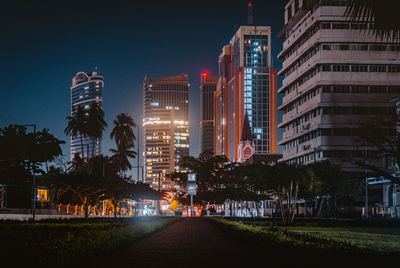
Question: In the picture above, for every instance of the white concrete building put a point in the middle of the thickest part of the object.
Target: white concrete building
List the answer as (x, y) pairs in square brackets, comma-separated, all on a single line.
[(336, 75)]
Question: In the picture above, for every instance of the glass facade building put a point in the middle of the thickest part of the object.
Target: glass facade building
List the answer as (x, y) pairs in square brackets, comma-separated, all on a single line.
[(247, 83), (86, 89)]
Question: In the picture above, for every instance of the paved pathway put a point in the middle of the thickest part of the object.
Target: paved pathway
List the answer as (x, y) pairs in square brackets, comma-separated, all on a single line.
[(187, 243)]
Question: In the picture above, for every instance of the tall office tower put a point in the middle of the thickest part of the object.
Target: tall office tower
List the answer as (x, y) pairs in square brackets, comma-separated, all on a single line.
[(207, 88), (336, 75), (165, 127), (86, 89), (247, 83)]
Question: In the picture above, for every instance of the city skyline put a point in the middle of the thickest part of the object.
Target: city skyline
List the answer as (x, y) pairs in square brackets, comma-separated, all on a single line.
[(48, 55)]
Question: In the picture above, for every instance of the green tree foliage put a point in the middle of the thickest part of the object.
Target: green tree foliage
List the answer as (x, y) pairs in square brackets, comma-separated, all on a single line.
[(22, 153), (95, 124), (124, 138), (380, 135), (220, 180), (77, 125)]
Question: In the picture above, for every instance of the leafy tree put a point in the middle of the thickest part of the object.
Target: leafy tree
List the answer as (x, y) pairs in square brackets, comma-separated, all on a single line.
[(77, 125), (83, 188), (77, 164), (116, 190), (330, 180), (22, 152)]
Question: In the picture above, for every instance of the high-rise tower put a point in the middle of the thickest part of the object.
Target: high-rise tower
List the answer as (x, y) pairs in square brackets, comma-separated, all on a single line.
[(247, 83), (207, 90), (86, 89), (336, 75), (165, 127)]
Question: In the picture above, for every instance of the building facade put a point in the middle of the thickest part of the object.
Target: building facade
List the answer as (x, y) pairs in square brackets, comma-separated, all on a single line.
[(207, 89), (336, 75), (86, 89), (165, 127), (247, 84)]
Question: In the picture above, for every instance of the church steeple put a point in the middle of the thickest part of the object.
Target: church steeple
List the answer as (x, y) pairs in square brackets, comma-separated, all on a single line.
[(246, 132), (246, 144)]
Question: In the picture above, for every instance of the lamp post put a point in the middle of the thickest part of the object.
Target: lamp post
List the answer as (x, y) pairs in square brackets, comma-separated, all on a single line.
[(34, 177)]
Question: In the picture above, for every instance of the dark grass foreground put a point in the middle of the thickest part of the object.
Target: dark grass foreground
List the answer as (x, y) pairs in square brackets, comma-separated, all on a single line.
[(71, 242), (286, 248)]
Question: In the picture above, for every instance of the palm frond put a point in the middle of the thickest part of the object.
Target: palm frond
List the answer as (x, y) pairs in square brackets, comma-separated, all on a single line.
[(382, 16)]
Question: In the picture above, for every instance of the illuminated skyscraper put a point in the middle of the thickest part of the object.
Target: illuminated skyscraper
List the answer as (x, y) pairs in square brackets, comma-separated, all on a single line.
[(247, 83), (165, 127), (207, 88), (86, 89)]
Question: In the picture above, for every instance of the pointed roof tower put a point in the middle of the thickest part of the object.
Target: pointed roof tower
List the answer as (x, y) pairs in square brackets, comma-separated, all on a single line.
[(246, 132)]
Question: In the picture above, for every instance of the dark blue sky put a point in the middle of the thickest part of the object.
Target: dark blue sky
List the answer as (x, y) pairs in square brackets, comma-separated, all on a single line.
[(44, 43)]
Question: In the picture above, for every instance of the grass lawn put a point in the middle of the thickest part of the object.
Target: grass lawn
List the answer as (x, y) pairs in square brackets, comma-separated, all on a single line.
[(382, 239), (72, 241)]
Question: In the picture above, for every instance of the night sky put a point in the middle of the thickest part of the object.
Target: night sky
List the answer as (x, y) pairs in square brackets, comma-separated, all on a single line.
[(45, 43)]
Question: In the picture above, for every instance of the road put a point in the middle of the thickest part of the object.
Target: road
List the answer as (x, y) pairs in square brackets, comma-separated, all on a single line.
[(191, 242)]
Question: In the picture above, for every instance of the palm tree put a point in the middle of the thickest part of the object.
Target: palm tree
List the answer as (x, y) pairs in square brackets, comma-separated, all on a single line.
[(123, 129), (77, 163), (77, 125), (124, 138), (383, 15), (121, 156), (96, 123)]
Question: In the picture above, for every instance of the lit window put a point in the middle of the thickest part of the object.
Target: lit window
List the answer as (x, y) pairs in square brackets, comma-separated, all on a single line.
[(42, 195)]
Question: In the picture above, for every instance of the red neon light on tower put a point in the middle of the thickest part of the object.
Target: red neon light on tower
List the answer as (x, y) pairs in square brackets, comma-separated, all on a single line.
[(250, 13)]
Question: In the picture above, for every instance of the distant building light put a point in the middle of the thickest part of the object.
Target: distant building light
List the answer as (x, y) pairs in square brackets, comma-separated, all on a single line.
[(154, 104)]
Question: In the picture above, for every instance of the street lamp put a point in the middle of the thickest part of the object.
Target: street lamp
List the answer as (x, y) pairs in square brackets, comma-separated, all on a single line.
[(34, 177)]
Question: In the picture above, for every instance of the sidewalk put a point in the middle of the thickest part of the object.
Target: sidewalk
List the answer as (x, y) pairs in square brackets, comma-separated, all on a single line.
[(191, 242)]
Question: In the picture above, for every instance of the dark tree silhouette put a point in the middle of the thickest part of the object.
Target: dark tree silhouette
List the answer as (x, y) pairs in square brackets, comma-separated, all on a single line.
[(382, 14)]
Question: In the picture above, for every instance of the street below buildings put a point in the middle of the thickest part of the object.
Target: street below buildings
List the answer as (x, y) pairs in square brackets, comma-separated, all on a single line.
[(191, 242)]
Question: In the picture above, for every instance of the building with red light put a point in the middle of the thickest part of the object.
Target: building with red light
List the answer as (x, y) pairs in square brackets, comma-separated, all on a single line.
[(247, 84), (207, 89)]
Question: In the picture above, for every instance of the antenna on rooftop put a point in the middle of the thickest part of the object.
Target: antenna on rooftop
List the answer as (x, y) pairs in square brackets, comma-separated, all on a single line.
[(250, 13)]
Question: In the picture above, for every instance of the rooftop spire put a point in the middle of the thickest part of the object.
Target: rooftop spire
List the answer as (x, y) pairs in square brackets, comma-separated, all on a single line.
[(250, 13)]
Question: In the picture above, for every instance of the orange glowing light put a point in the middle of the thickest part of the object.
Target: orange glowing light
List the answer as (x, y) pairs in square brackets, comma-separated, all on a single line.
[(204, 74)]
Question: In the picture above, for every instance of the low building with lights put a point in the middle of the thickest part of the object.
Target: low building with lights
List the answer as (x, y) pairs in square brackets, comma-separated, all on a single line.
[(165, 128)]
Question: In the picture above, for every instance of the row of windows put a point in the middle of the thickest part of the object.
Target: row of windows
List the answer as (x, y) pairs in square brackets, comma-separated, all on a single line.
[(354, 89), (312, 156), (329, 25), (372, 68), (339, 110), (391, 68), (340, 46), (327, 132)]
